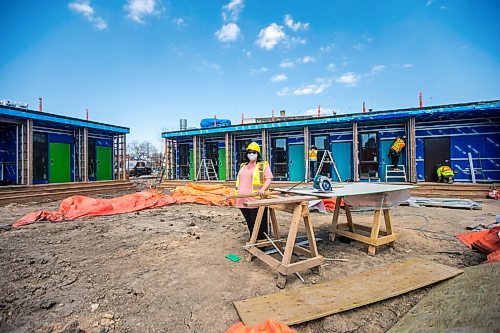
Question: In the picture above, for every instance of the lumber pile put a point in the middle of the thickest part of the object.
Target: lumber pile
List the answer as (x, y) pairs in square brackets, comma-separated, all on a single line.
[(39, 193)]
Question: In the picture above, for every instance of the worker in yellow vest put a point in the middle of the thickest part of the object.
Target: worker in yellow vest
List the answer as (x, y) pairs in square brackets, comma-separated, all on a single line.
[(445, 174), (395, 151), (254, 177), (313, 160)]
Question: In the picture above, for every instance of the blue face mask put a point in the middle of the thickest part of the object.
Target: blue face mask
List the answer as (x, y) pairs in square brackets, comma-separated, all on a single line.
[(252, 156)]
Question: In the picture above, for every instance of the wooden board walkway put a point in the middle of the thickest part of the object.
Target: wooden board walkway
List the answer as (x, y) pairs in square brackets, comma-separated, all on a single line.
[(323, 299), (37, 193)]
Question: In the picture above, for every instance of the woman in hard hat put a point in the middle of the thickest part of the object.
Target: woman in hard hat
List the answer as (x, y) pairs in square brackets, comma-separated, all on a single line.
[(254, 176)]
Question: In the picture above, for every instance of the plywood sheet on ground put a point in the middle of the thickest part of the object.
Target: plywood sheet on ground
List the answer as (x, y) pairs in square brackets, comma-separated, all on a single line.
[(468, 303), (304, 304)]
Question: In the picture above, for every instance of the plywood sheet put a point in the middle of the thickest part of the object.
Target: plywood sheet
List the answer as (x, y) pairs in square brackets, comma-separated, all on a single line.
[(468, 303), (347, 189), (304, 304)]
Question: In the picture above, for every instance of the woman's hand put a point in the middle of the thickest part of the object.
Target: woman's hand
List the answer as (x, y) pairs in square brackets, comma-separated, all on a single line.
[(262, 191)]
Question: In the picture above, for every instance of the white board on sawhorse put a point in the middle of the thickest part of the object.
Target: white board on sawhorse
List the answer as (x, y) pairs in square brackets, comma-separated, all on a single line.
[(328, 159)]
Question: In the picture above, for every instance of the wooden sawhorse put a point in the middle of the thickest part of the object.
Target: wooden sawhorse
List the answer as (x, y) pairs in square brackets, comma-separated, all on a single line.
[(348, 229), (298, 207)]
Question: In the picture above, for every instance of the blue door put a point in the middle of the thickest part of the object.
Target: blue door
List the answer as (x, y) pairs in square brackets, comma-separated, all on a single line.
[(342, 154), (296, 163), (385, 146)]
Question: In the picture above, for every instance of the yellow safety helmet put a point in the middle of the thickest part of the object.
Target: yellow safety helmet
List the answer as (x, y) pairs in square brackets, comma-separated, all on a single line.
[(254, 146)]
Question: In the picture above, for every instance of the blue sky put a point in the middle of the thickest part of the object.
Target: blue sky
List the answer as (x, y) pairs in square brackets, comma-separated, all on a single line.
[(146, 64)]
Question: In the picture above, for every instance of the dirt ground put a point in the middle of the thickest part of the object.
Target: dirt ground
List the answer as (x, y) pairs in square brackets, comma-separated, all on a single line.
[(164, 270)]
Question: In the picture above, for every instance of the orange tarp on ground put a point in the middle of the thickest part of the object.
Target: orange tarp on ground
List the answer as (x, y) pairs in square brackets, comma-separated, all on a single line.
[(79, 206), (486, 241), (330, 204), (269, 326), (212, 195)]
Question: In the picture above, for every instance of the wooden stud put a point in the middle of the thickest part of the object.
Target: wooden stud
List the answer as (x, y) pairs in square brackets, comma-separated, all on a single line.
[(335, 219), (388, 223), (310, 233), (349, 217), (306, 152), (274, 223), (281, 200), (375, 231), (355, 151)]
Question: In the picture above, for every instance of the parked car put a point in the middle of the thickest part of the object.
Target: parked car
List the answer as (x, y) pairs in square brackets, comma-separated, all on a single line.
[(140, 169)]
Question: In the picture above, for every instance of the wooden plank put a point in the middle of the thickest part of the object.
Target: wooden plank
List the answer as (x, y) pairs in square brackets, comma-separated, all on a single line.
[(334, 296), (345, 226), (375, 231), (303, 265), (335, 218), (270, 261)]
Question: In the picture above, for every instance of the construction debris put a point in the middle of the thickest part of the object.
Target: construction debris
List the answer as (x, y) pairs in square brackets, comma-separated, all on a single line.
[(443, 203)]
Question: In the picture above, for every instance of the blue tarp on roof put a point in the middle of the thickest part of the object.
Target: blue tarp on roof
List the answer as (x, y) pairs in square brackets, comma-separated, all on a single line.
[(479, 109), (58, 119)]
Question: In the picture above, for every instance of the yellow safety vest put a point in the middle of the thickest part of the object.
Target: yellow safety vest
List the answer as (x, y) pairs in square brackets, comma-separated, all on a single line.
[(313, 155), (445, 171), (398, 145), (258, 176)]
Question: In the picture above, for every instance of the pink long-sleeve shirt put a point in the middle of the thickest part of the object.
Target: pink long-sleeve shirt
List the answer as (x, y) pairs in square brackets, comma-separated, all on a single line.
[(245, 185)]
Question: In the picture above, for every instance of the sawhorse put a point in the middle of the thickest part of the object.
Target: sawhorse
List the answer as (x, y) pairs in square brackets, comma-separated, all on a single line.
[(298, 207), (348, 229)]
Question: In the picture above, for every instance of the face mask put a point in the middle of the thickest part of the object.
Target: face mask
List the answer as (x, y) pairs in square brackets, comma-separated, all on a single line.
[(252, 157)]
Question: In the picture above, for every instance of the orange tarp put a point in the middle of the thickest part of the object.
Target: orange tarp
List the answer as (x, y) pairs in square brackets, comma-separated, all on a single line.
[(486, 241), (269, 326), (330, 204), (212, 195), (79, 206)]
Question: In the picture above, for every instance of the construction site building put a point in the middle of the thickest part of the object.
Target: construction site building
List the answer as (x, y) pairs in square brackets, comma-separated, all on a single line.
[(41, 148), (465, 136)]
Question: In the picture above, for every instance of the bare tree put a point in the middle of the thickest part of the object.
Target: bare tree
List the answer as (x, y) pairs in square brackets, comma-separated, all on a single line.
[(141, 151)]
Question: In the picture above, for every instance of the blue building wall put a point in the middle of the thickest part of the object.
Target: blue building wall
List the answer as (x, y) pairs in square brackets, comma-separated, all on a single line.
[(8, 157), (481, 138)]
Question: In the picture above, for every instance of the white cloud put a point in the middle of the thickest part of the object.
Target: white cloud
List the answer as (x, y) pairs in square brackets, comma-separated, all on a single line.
[(247, 53), (283, 91), (429, 2), (138, 9), (232, 10), (377, 68), (100, 24), (358, 46), (180, 22), (349, 79), (259, 70), (84, 8), (293, 41), (270, 36), (331, 67), (323, 112), (295, 25), (305, 60), (311, 89), (279, 78), (286, 64), (408, 65), (228, 33), (327, 48), (212, 66)]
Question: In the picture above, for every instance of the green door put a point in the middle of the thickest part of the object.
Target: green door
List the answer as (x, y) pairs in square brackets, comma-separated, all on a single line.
[(342, 154), (104, 157), (296, 162), (60, 165), (191, 165), (222, 164)]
